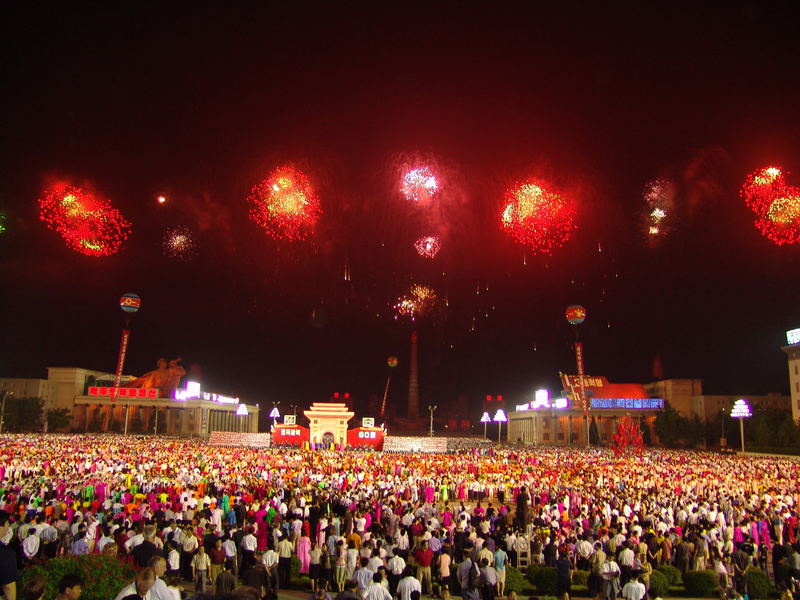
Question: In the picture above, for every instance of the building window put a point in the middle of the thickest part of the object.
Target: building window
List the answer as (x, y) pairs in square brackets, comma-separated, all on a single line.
[(560, 436), (546, 437)]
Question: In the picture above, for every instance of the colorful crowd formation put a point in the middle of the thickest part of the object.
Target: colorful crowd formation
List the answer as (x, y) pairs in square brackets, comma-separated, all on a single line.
[(374, 526)]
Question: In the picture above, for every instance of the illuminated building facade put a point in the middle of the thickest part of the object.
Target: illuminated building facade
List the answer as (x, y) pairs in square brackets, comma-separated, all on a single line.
[(792, 350), (96, 406), (560, 420)]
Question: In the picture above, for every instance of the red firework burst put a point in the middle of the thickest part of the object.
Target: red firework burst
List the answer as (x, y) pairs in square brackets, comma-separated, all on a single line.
[(538, 218), (88, 224), (419, 184), (775, 203), (428, 247), (285, 204)]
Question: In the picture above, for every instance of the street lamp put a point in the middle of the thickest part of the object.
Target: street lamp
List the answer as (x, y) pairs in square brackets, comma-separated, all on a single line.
[(275, 414), (3, 410), (432, 408), (741, 411), (485, 418), (723, 441), (500, 418)]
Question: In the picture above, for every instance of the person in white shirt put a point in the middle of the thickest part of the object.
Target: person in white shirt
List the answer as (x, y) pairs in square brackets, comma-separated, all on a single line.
[(408, 584), (634, 589), (141, 586), (376, 590), (30, 545), (200, 566), (159, 591)]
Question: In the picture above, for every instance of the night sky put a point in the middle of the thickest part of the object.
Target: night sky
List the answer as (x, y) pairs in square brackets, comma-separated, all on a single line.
[(201, 103)]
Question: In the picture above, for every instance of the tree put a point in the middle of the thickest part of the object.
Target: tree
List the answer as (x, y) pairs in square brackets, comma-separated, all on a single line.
[(594, 436), (23, 414), (670, 425), (58, 419)]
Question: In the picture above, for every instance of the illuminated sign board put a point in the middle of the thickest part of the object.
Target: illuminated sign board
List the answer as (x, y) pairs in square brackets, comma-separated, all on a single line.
[(368, 422), (629, 403), (793, 336), (123, 392), (575, 381), (193, 392), (290, 419)]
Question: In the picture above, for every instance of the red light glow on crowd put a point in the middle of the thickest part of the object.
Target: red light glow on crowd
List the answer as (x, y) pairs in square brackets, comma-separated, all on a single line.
[(775, 203), (537, 217), (87, 224), (285, 204)]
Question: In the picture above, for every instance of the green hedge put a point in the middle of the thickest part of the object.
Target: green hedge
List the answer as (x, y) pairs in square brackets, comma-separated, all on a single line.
[(673, 574), (515, 581), (659, 583), (701, 584), (103, 576), (580, 579), (758, 584), (543, 579)]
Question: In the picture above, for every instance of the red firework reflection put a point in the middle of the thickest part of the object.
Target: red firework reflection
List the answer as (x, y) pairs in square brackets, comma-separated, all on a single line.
[(285, 204), (419, 185), (775, 203), (428, 247), (537, 217), (88, 224)]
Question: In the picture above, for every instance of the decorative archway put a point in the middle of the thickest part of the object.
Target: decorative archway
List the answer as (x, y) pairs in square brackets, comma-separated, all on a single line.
[(328, 418)]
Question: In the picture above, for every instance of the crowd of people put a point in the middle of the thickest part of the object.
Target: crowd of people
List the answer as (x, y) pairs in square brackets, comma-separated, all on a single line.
[(231, 522)]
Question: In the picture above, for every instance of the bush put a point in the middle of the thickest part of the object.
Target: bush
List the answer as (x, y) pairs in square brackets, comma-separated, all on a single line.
[(103, 576), (543, 579), (294, 571), (758, 585), (701, 584), (659, 583), (673, 574), (580, 578), (515, 581)]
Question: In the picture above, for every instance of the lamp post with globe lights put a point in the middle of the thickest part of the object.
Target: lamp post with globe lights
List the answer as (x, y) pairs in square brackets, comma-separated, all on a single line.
[(741, 410), (500, 418), (485, 418)]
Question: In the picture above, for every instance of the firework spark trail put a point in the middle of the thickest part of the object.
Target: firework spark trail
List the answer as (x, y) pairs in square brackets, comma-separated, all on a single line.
[(428, 247), (775, 203), (87, 224), (419, 185), (179, 243), (419, 301), (285, 204), (537, 217)]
